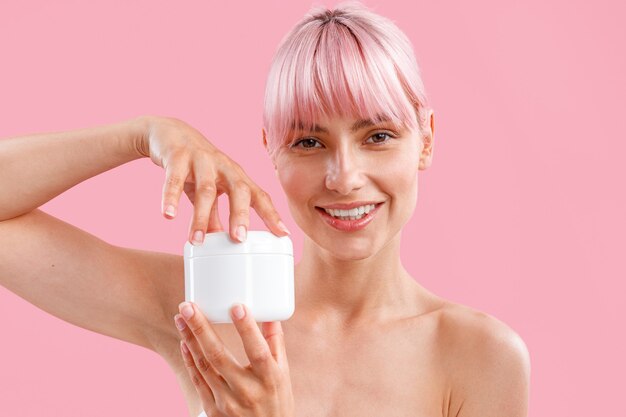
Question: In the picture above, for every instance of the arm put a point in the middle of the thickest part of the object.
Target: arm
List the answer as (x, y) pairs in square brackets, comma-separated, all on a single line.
[(127, 294), (74, 275), (36, 168)]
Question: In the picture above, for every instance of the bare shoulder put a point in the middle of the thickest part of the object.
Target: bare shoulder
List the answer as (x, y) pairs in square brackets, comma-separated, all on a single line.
[(488, 363), (473, 331)]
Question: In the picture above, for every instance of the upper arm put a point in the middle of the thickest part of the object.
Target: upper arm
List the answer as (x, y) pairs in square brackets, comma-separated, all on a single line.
[(492, 375), (124, 293)]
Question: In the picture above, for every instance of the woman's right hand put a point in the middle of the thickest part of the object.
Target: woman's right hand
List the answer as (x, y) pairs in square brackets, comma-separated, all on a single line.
[(194, 166)]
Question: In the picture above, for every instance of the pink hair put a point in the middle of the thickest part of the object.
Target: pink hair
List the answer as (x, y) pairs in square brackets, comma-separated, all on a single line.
[(347, 61)]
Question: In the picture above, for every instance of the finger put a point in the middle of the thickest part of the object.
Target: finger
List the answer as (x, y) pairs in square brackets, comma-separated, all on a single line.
[(192, 344), (219, 386), (189, 189), (262, 204), (254, 343), (205, 194), (200, 336), (203, 389), (273, 333), (175, 176), (215, 224), (239, 220)]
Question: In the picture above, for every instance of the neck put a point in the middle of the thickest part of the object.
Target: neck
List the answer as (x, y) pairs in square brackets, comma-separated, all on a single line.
[(345, 293)]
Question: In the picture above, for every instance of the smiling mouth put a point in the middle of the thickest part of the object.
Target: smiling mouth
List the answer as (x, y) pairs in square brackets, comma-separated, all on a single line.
[(359, 215)]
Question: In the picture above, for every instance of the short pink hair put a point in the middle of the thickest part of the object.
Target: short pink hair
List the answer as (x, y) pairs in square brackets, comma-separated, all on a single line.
[(348, 61)]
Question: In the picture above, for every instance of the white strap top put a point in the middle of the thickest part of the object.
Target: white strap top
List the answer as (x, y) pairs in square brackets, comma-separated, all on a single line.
[(203, 414)]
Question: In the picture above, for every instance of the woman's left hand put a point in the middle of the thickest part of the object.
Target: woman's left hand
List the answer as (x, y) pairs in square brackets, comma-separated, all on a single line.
[(260, 389)]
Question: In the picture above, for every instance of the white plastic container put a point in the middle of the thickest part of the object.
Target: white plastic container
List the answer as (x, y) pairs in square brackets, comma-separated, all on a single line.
[(258, 272)]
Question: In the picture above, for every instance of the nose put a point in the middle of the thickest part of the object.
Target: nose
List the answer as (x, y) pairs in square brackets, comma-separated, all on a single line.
[(344, 173)]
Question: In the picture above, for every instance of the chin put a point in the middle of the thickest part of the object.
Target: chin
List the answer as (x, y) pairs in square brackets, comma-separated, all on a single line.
[(348, 248)]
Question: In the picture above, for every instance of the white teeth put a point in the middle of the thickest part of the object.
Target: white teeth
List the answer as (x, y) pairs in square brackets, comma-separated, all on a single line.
[(352, 214)]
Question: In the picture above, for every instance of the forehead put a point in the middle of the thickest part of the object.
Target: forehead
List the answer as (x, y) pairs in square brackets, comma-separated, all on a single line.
[(354, 124)]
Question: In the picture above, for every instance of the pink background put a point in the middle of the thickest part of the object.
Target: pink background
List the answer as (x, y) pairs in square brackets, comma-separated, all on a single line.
[(520, 216)]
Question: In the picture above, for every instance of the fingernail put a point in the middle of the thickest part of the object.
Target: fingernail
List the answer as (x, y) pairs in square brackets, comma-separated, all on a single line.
[(170, 211), (198, 237), (282, 227), (184, 347), (238, 311), (180, 323), (241, 233), (186, 310)]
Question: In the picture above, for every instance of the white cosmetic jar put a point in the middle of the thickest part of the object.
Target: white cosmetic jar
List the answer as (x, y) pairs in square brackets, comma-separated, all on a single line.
[(258, 273)]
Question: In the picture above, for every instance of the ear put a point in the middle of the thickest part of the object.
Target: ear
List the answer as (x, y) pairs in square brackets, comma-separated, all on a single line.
[(264, 139), (266, 148), (426, 155)]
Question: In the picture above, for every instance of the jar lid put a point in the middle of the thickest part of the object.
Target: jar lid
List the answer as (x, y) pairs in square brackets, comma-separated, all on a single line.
[(257, 242)]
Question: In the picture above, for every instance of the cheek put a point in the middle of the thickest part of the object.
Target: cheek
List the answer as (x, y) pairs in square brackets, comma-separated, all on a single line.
[(397, 171), (397, 177), (296, 181), (300, 186)]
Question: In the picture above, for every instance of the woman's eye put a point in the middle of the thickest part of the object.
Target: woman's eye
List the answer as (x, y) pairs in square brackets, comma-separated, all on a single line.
[(380, 135), (307, 141)]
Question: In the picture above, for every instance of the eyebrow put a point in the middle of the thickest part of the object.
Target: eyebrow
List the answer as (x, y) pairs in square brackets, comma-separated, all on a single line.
[(359, 124)]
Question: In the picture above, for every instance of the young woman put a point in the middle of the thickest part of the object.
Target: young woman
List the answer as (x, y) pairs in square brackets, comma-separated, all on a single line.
[(347, 127)]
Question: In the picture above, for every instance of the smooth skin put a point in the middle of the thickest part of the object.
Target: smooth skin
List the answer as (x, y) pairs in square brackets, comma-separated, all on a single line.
[(365, 339)]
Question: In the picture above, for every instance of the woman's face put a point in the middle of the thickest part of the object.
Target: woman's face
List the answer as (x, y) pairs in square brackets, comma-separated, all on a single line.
[(345, 161)]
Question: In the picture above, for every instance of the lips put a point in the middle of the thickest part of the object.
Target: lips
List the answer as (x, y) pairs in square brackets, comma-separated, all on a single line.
[(349, 225)]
